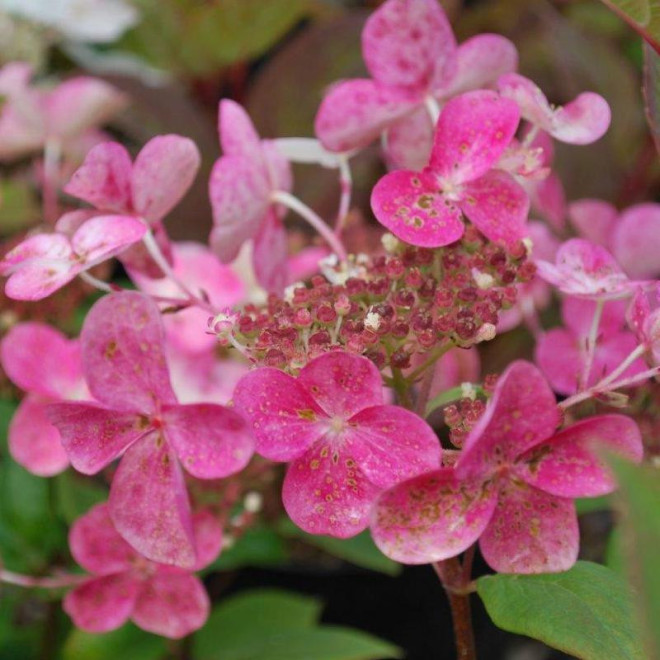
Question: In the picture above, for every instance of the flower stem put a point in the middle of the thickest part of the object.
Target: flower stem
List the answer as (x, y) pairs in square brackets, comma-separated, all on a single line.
[(97, 283), (8, 577), (346, 188), (433, 109), (591, 345)]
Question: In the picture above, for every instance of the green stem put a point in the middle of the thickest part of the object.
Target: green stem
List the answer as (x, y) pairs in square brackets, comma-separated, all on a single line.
[(400, 385), (433, 357), (452, 394)]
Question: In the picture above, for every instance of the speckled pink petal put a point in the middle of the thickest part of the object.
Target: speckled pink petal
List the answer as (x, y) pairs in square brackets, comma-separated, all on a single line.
[(278, 167), (71, 221), (208, 538), (567, 465), (97, 546), (238, 137), (40, 359), (149, 503), (123, 353), (285, 418), (34, 442), (593, 219), (39, 278), (93, 436), (412, 207), (104, 603), (635, 241), (409, 141), (163, 171), (355, 112), (51, 247), (342, 384), (105, 236), (480, 61), (269, 256), (497, 205), (325, 492), (472, 133), (530, 532), (582, 121), (548, 199), (558, 355), (408, 44), (104, 178), (239, 195), (392, 444), (211, 441), (431, 517), (522, 413), (171, 603)]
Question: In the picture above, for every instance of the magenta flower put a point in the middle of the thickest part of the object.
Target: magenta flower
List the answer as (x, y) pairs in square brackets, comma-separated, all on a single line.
[(44, 263), (242, 183), (561, 352), (344, 445), (411, 53), (425, 208), (44, 363), (512, 487), (165, 600), (139, 417)]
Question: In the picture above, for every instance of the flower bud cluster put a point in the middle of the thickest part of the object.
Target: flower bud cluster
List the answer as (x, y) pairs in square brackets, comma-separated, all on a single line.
[(390, 308), (462, 417)]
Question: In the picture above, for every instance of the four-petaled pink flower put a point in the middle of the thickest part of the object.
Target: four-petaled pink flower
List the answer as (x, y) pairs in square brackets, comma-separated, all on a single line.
[(411, 53), (344, 445), (512, 487), (425, 208), (241, 187), (44, 263), (165, 600), (139, 416)]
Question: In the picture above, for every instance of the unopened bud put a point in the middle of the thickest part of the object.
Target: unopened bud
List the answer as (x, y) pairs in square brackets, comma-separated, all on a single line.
[(486, 332), (253, 502)]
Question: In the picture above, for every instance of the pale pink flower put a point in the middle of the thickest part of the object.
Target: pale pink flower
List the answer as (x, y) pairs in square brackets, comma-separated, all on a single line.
[(344, 445), (140, 418), (165, 600), (426, 208), (512, 487)]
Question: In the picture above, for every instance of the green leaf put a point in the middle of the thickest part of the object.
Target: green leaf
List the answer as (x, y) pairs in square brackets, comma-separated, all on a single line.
[(258, 546), (642, 15), (639, 498), (19, 207), (585, 611), (126, 642), (276, 625), (77, 494), (591, 504)]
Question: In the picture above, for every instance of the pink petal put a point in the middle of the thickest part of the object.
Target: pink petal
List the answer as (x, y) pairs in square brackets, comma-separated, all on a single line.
[(104, 178), (149, 504), (172, 604), (472, 133), (279, 168), (497, 206), (238, 137), (96, 545), (211, 441), (208, 538), (409, 141), (163, 171), (392, 444), (285, 418), (549, 200), (239, 198), (40, 359), (431, 517), (104, 603), (269, 256), (325, 492), (123, 353), (79, 104), (636, 241), (355, 112), (456, 366), (71, 221), (530, 532), (480, 61), (522, 413), (567, 464), (408, 44), (577, 315), (50, 247), (559, 357), (39, 278), (410, 205), (105, 236), (594, 219), (93, 436), (342, 384), (34, 442), (138, 260)]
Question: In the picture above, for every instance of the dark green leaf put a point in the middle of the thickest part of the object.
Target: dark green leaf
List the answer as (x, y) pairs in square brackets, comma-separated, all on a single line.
[(259, 546), (126, 642)]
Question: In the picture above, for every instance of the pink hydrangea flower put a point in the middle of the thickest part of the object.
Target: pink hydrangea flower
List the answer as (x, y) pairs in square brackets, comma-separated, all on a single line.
[(643, 317), (343, 444), (165, 600), (31, 116), (242, 183), (512, 487), (561, 352), (44, 363), (411, 53), (44, 263), (582, 121), (425, 208), (147, 189), (139, 417)]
